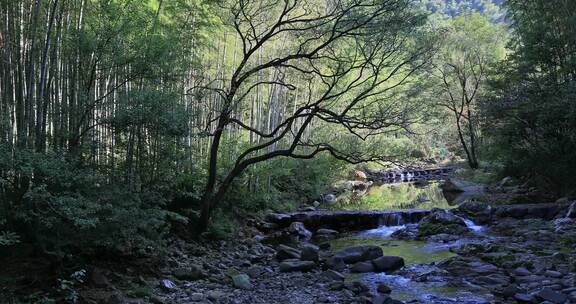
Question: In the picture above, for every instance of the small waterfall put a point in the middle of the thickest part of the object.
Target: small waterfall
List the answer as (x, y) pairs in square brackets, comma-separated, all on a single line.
[(391, 219), (472, 226)]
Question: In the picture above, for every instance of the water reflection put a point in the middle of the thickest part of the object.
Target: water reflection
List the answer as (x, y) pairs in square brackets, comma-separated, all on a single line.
[(394, 197)]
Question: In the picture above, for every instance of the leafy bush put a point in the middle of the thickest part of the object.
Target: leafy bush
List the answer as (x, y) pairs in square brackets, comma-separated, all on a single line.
[(64, 206)]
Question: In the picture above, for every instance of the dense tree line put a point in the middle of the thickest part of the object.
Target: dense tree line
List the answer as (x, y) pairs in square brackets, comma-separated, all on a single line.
[(121, 119)]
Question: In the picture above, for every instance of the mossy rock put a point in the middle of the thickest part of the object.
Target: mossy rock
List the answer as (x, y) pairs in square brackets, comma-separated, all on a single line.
[(428, 229)]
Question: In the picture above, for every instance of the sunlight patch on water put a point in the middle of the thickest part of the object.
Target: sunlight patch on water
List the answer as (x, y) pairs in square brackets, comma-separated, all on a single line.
[(394, 197)]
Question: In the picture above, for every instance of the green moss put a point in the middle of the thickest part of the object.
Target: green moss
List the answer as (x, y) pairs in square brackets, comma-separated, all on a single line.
[(427, 229)]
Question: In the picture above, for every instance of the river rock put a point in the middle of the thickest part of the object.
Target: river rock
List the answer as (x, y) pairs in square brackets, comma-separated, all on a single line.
[(191, 273), (521, 271), (326, 232), (298, 229), (388, 263), (451, 185), (284, 252), (362, 267), (511, 290), (383, 288), (296, 265), (547, 294), (335, 263), (242, 281), (356, 287), (309, 253), (333, 275), (524, 298), (441, 216), (480, 211), (355, 254)]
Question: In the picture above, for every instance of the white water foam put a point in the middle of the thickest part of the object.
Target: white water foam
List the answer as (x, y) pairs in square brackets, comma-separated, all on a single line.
[(472, 226), (382, 231)]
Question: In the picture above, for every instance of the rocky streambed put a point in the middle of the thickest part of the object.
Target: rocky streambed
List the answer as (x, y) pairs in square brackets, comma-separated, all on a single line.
[(515, 256)]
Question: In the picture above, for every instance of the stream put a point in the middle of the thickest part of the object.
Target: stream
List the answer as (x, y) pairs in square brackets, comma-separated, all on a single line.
[(419, 257)]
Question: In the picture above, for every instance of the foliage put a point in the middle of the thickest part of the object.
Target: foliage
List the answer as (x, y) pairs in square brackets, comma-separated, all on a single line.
[(66, 206), (530, 112), (67, 287), (8, 238)]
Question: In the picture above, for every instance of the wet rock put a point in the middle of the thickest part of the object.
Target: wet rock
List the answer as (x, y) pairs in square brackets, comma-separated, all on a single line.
[(547, 294), (359, 253), (362, 267), (296, 265), (388, 263), (284, 252), (242, 281), (383, 288), (309, 253)]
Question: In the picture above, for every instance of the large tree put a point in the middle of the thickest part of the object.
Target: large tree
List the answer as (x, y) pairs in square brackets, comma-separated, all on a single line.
[(472, 44), (340, 62)]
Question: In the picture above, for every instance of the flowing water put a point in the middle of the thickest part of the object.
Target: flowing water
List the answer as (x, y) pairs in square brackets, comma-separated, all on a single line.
[(419, 257)]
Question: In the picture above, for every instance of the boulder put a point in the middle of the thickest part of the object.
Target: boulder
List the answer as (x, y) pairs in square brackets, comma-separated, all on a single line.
[(298, 229), (191, 273), (309, 253), (441, 216), (359, 253), (242, 281), (335, 263), (441, 222), (388, 263), (362, 267), (296, 265), (284, 252), (451, 186)]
